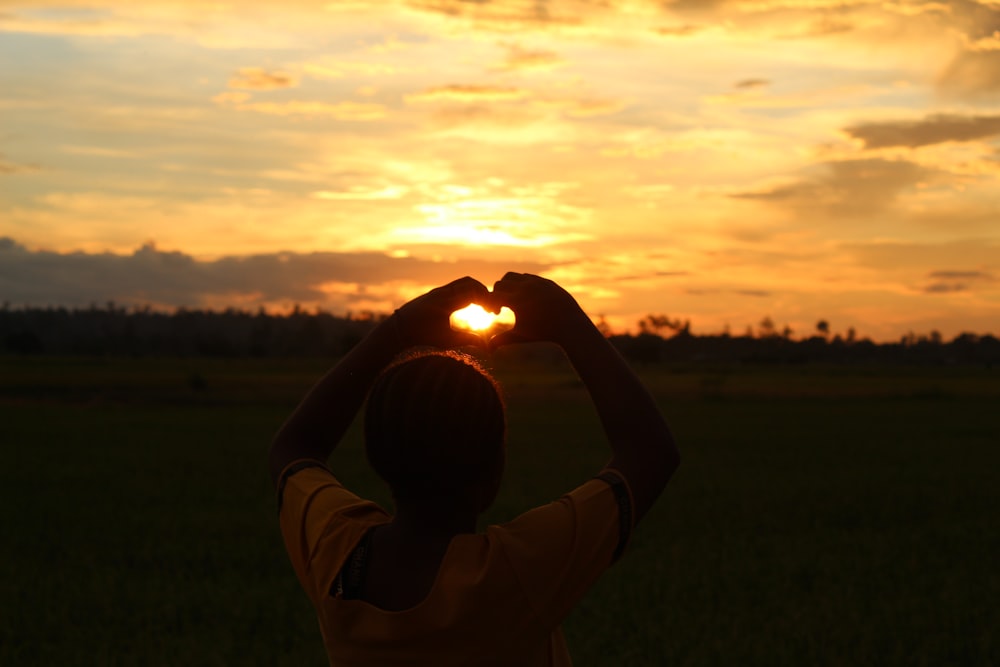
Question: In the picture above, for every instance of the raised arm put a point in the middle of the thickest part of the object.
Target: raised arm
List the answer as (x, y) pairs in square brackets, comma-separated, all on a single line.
[(319, 422), (643, 449)]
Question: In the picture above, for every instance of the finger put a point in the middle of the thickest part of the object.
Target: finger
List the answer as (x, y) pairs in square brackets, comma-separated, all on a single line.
[(509, 337), (491, 302), (464, 339), (462, 292), (504, 287)]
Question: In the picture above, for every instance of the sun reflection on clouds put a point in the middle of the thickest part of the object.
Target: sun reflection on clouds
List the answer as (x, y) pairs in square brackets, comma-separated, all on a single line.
[(475, 235)]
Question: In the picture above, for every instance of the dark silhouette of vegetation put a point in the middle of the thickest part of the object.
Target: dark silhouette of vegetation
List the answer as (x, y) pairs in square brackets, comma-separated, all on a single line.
[(142, 332), (113, 330)]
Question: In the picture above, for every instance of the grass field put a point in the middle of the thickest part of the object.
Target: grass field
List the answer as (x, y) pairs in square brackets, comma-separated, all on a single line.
[(821, 516)]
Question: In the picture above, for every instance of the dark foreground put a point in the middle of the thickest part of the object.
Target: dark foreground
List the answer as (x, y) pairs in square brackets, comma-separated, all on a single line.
[(822, 515)]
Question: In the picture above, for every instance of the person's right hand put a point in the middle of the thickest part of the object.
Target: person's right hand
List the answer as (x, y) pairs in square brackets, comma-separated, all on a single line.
[(424, 320), (543, 311)]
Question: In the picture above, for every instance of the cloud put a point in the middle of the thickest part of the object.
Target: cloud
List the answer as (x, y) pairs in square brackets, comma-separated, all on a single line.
[(363, 193), (961, 275), (972, 74), (752, 83), (506, 16), (934, 129), (468, 93), (521, 59), (847, 188), (7, 167), (256, 78), (678, 30), (349, 111), (946, 282), (822, 27), (905, 258), (338, 70), (478, 116), (945, 288), (586, 107), (174, 279)]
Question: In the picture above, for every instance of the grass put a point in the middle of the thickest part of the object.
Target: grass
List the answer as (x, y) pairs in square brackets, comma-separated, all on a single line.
[(841, 515)]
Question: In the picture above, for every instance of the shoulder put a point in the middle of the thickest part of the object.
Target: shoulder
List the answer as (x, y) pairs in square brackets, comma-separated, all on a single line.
[(600, 507), (321, 521), (558, 550)]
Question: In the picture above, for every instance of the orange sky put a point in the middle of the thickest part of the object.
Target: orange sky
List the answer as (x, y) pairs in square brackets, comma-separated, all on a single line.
[(717, 161)]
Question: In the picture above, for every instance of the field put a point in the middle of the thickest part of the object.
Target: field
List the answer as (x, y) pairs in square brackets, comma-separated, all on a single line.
[(821, 515)]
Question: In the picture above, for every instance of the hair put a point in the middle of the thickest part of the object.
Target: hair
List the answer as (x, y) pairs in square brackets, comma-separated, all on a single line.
[(435, 429)]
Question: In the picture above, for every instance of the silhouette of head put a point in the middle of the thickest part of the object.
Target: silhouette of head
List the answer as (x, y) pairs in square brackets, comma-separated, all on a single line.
[(435, 428)]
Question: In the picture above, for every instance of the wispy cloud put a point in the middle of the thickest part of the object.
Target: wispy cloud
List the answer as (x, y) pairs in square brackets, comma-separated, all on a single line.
[(347, 111), (522, 59), (507, 16), (256, 78), (961, 275), (745, 84), (862, 187), (468, 93), (362, 193), (9, 167)]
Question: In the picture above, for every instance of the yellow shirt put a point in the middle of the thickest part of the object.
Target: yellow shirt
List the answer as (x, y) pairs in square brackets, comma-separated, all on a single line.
[(498, 598)]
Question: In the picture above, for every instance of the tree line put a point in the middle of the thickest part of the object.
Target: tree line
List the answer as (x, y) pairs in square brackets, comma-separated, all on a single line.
[(113, 330)]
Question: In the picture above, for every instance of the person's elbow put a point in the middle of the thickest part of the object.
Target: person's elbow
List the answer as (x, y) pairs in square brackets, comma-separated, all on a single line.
[(281, 452)]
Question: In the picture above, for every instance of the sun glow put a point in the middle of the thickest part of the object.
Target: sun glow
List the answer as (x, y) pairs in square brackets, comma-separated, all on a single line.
[(477, 319)]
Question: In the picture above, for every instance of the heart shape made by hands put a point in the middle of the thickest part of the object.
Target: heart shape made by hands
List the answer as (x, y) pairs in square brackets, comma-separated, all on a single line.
[(476, 319)]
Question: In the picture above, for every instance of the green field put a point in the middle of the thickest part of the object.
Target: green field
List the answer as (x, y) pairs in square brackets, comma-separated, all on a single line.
[(821, 515)]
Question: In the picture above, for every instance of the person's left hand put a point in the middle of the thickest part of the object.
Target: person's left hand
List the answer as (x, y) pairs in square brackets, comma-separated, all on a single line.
[(425, 320)]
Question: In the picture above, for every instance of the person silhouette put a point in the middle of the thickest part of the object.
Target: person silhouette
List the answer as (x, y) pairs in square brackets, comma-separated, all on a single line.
[(420, 586)]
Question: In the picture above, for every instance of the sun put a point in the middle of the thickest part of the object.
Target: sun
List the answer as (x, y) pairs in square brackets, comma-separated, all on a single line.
[(477, 319)]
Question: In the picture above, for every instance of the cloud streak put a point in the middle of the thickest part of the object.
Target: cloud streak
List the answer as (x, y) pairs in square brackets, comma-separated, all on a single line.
[(256, 78), (8, 167), (521, 59), (468, 93), (934, 129), (861, 187), (346, 111)]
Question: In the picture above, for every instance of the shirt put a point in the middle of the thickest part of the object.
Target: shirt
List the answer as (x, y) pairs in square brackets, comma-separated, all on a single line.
[(499, 596)]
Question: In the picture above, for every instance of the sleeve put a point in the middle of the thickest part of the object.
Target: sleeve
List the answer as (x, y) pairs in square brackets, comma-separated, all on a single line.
[(321, 521), (558, 551)]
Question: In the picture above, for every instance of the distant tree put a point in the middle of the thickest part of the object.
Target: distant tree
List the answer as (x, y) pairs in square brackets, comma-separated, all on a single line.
[(766, 328), (823, 327), (851, 336), (656, 324), (787, 332)]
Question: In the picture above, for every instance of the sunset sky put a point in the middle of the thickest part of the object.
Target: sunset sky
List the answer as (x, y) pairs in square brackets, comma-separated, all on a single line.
[(718, 161)]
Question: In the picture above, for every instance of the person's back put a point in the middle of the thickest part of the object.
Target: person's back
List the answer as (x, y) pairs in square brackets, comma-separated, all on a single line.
[(420, 586)]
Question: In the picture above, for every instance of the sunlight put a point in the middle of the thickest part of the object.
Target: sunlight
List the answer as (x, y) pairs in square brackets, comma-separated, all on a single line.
[(477, 319)]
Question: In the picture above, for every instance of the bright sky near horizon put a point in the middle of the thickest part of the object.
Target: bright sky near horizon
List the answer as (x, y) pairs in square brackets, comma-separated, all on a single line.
[(718, 161)]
